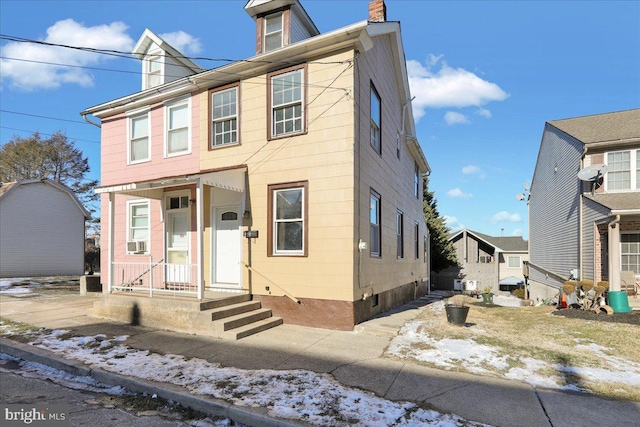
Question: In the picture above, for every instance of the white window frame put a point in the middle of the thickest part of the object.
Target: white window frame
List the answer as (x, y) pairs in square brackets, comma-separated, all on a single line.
[(416, 240), (276, 221), (133, 116), (416, 181), (147, 69), (285, 105), (510, 257), (375, 127), (628, 253), (376, 227), (227, 118), (265, 34), (129, 236), (168, 106), (399, 234), (634, 171)]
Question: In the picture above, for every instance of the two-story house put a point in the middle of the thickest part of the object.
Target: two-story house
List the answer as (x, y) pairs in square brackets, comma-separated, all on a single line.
[(291, 179), (585, 202)]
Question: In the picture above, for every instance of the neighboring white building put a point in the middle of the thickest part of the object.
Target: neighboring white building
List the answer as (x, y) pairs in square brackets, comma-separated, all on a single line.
[(41, 230)]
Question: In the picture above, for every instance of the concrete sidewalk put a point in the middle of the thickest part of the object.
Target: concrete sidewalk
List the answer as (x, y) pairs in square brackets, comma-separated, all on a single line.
[(353, 358)]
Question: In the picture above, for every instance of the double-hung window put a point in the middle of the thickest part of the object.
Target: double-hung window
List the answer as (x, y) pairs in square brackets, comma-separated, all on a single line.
[(375, 230), (224, 117), (630, 252), (416, 240), (624, 170), (417, 187), (272, 32), (376, 114), (288, 219), (154, 71), (138, 227), (400, 233), (287, 99), (139, 141), (177, 128)]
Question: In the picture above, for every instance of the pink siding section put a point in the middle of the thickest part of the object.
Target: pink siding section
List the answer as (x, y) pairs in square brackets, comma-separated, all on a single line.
[(115, 169)]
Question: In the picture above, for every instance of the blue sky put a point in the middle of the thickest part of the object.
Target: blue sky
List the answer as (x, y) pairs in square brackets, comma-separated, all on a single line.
[(486, 76)]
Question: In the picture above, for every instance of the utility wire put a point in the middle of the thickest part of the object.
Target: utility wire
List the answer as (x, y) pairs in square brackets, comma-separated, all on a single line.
[(49, 134), (44, 117)]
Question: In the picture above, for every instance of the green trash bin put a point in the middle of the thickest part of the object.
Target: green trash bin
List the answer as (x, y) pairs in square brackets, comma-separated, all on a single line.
[(618, 301)]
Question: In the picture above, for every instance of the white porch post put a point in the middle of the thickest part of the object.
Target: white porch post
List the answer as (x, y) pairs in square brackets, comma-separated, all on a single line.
[(199, 238), (112, 207), (614, 254)]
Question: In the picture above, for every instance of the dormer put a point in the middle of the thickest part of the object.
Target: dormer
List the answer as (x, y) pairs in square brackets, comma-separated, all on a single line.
[(161, 62), (279, 23)]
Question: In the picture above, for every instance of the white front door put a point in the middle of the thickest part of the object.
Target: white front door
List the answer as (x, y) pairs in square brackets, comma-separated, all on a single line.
[(227, 248), (177, 247)]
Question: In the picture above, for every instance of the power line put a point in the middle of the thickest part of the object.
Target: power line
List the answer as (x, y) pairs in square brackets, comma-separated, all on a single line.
[(49, 134), (44, 117)]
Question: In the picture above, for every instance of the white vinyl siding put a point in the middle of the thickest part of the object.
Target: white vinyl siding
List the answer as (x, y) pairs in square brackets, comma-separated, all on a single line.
[(139, 130), (177, 128), (224, 111), (287, 103), (41, 232)]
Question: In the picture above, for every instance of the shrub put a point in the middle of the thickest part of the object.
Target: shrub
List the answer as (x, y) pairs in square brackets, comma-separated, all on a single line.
[(518, 293)]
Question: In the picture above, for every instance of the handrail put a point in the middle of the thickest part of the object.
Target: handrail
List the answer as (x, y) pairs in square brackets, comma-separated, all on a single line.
[(287, 294), (146, 271), (544, 270)]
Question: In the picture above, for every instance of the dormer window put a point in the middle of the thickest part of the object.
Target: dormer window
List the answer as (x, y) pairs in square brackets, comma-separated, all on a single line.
[(273, 32), (154, 71)]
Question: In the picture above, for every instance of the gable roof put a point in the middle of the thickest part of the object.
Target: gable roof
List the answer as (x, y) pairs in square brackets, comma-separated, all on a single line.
[(620, 202), (501, 244), (10, 187), (619, 126), (149, 38), (258, 7)]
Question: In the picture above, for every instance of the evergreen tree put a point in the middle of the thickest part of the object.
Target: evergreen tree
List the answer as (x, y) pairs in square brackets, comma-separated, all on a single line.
[(443, 254), (55, 158)]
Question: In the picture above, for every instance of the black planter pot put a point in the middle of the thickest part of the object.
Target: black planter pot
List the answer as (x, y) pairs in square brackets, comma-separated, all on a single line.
[(456, 314)]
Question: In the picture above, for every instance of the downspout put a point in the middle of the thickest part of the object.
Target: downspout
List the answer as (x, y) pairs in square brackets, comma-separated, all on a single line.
[(84, 117), (404, 113), (580, 231)]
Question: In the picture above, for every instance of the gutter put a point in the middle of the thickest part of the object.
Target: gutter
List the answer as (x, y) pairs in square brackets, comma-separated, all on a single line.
[(84, 117)]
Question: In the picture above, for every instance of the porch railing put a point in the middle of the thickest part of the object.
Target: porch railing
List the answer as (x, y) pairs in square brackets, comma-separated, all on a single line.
[(155, 277)]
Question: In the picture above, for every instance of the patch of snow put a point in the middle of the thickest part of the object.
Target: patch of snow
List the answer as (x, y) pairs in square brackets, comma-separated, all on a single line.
[(15, 290)]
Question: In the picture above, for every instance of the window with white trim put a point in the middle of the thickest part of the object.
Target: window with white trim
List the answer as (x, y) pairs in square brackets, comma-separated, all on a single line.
[(287, 103), (416, 182), (224, 116), (272, 32), (416, 240), (630, 252), (400, 233), (138, 227), (513, 261), (139, 148), (376, 114), (287, 219), (623, 170), (375, 230), (177, 126), (154, 71)]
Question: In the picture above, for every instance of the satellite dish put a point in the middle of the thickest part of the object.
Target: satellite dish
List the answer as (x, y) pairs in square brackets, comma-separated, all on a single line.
[(520, 196), (593, 172), (526, 186)]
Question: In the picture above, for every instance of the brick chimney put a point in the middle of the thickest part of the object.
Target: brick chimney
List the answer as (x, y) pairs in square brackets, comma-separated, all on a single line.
[(377, 11)]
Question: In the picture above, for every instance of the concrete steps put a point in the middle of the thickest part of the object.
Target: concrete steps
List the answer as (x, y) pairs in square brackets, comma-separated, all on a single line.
[(237, 320)]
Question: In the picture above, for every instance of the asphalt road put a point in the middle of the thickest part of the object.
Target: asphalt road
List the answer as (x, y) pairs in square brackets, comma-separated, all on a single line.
[(86, 408)]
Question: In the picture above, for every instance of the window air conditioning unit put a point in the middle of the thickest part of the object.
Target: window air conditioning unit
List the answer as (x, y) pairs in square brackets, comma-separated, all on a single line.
[(137, 247)]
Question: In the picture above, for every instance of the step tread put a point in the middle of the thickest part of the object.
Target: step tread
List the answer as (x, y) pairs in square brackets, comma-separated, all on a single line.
[(253, 328), (241, 319), (234, 309)]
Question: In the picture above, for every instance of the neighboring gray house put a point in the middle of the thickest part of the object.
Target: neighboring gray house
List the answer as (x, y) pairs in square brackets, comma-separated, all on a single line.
[(484, 261), (590, 227), (41, 230)]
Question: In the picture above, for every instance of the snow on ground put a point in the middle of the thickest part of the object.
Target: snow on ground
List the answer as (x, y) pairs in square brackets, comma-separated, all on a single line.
[(7, 288), (295, 394), (414, 343)]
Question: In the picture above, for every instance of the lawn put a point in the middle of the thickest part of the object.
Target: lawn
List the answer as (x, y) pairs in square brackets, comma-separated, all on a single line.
[(529, 344)]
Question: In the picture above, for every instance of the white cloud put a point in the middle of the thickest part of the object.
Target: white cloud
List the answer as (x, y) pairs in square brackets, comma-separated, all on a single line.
[(183, 42), (483, 112), (473, 170), (505, 216), (458, 194), (452, 223), (448, 87), (453, 118), (29, 76)]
